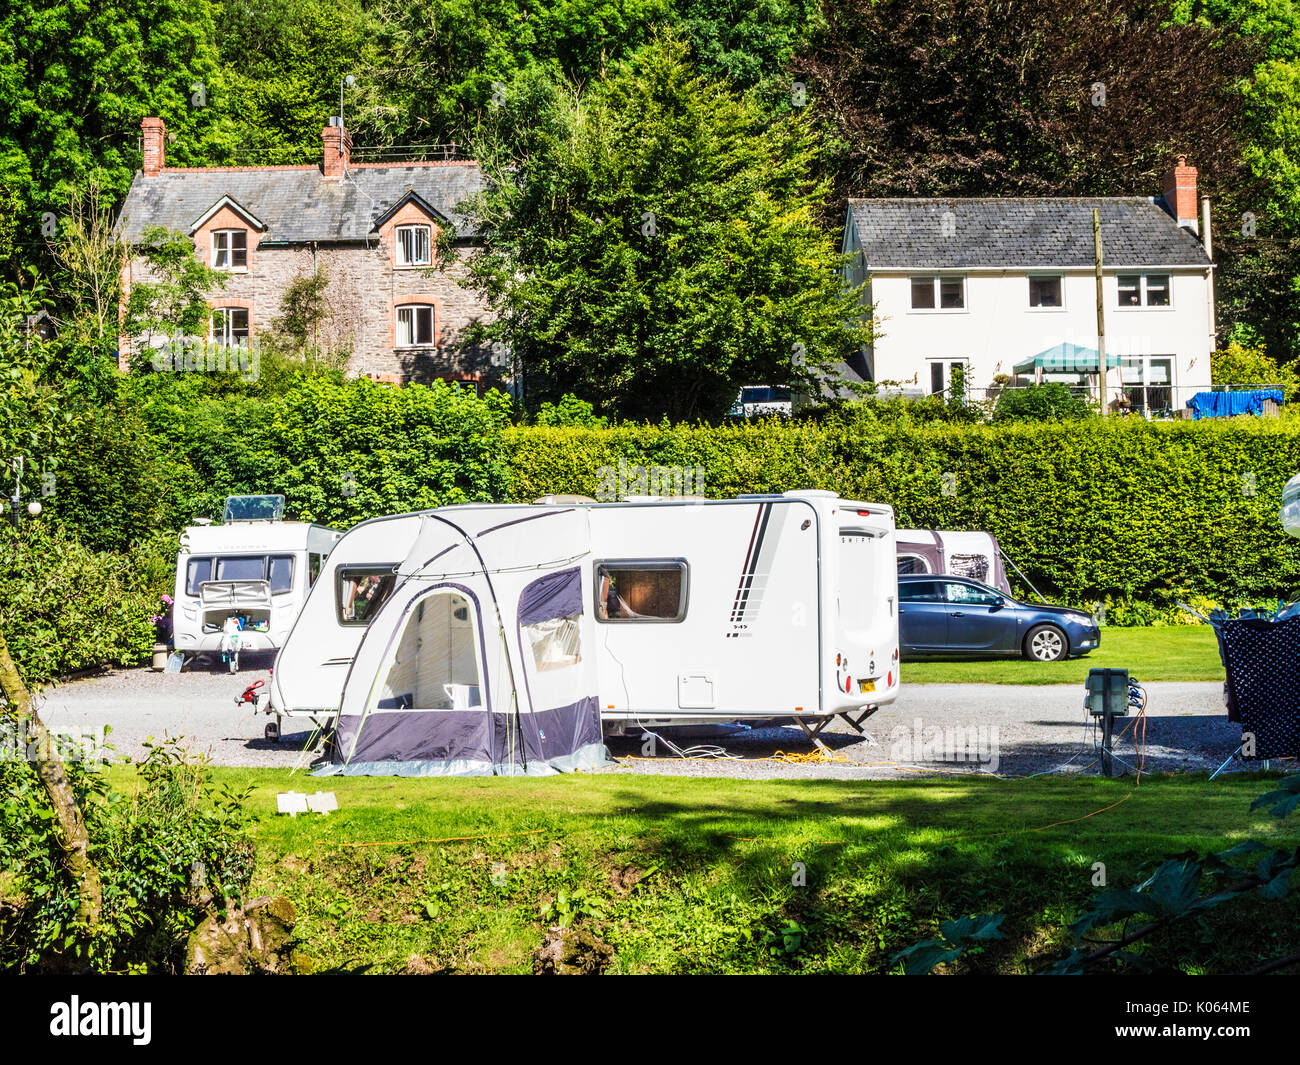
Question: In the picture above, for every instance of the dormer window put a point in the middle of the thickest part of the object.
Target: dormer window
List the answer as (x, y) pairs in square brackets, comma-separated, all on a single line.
[(413, 244), (230, 249)]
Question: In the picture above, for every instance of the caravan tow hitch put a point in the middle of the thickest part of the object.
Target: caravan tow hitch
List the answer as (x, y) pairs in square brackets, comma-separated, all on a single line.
[(254, 697)]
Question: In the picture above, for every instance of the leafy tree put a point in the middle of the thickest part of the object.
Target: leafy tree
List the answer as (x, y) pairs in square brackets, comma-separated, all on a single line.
[(653, 244), (1237, 366), (1064, 98), (76, 80), (283, 61), (570, 411), (175, 302)]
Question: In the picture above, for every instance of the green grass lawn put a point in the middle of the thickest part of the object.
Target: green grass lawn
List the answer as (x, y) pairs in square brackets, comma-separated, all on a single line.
[(1175, 652), (695, 875)]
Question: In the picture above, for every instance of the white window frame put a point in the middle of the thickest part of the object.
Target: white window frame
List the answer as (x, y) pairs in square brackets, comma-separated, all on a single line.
[(223, 241), (227, 336), (1030, 279), (1143, 304), (415, 342), (1146, 384), (936, 281), (947, 364), (399, 247)]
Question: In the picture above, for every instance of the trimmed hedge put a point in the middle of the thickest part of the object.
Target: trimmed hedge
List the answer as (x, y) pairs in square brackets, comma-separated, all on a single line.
[(1134, 514)]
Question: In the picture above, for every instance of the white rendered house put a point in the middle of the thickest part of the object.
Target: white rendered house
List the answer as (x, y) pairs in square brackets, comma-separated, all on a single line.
[(990, 283)]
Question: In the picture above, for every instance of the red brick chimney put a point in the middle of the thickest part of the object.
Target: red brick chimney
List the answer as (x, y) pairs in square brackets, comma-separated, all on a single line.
[(338, 148), (1180, 194), (155, 136)]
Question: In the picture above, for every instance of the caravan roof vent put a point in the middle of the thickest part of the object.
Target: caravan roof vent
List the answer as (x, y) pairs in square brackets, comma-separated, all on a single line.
[(253, 508)]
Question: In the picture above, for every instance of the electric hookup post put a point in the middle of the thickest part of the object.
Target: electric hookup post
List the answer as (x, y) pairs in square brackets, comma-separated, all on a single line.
[(1107, 699)]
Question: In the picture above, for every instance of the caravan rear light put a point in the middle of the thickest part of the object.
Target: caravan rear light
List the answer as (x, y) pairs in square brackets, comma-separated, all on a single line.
[(864, 513)]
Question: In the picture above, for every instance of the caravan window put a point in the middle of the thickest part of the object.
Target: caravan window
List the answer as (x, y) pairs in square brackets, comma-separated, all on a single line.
[(197, 571), (908, 564), (280, 573), (361, 590), (234, 568), (314, 564), (651, 590)]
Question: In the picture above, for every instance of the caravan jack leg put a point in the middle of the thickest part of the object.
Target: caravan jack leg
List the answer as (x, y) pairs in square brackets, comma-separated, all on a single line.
[(813, 732), (855, 723)]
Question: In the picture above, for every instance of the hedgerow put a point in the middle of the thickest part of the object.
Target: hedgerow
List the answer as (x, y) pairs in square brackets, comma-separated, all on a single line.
[(1134, 514)]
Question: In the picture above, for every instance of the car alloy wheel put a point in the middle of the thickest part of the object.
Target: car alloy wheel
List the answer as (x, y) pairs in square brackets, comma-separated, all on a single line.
[(1046, 644)]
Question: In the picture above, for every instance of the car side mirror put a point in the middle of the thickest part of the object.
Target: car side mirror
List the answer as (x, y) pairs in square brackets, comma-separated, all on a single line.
[(997, 604)]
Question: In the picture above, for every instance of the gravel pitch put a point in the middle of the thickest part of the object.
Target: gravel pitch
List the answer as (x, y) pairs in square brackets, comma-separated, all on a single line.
[(932, 728)]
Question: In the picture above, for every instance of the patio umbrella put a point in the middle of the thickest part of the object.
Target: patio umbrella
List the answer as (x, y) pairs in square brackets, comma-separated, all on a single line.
[(1064, 358)]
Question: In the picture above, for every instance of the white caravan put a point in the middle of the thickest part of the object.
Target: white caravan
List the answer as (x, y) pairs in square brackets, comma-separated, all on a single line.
[(241, 584), (761, 607)]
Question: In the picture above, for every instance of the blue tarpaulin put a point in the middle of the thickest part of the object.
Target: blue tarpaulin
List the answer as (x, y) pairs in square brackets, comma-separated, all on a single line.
[(1230, 404)]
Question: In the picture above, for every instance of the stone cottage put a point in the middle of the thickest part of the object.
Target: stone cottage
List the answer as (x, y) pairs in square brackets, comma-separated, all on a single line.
[(373, 229)]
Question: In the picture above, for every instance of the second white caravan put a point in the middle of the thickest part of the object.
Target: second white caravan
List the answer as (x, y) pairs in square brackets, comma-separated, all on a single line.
[(765, 606)]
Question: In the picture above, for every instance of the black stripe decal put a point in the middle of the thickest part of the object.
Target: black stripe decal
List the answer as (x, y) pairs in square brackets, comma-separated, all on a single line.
[(751, 562)]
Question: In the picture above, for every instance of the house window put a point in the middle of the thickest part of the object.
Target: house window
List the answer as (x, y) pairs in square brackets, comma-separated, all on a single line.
[(415, 326), (1045, 292), (230, 249), (941, 293), (413, 246), (230, 326), (1143, 290), (941, 374), (1146, 384)]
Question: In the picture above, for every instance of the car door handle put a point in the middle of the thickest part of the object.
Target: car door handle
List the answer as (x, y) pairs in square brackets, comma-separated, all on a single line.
[(957, 614)]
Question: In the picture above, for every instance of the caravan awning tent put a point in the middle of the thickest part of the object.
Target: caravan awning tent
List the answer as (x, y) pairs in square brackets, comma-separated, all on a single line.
[(481, 660), (1064, 358)]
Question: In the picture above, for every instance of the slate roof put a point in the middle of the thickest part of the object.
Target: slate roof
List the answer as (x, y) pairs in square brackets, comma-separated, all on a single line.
[(1020, 232), (297, 204)]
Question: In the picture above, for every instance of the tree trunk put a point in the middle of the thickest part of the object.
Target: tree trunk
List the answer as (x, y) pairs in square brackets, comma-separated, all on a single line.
[(49, 767)]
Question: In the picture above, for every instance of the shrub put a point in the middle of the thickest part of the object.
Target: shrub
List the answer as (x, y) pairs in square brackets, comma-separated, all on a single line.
[(167, 849), (1237, 366), (1052, 401), (64, 607)]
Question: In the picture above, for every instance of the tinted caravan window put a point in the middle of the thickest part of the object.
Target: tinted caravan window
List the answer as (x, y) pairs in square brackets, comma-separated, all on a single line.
[(197, 570), (652, 590), (238, 568), (280, 573), (361, 590)]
